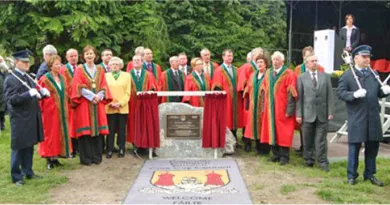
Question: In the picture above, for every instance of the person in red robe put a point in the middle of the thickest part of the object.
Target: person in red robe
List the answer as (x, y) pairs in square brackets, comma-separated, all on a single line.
[(55, 115), (208, 66), (148, 64), (90, 93), (172, 79), (225, 78), (243, 75), (196, 81), (141, 80), (139, 51), (67, 71), (300, 69), (255, 93), (280, 95)]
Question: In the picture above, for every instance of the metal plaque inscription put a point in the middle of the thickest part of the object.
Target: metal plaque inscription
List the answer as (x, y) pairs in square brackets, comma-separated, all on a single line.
[(181, 126)]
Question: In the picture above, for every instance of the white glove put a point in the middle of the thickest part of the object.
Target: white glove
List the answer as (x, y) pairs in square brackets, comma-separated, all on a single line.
[(45, 92), (361, 93), (386, 89), (34, 92)]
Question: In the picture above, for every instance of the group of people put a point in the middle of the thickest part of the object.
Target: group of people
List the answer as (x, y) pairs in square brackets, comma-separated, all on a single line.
[(82, 107)]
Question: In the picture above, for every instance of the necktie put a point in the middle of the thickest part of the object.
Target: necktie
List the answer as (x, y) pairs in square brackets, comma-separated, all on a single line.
[(138, 75), (314, 79), (364, 71), (149, 66), (274, 74), (230, 70)]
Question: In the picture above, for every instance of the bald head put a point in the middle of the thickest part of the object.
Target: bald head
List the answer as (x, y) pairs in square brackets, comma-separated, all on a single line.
[(72, 56)]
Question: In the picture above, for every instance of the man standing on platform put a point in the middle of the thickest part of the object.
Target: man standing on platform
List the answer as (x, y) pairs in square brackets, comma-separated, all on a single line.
[(300, 69), (364, 123), (154, 68), (225, 78), (106, 57), (209, 67), (314, 109), (183, 60), (279, 107), (172, 79), (25, 119)]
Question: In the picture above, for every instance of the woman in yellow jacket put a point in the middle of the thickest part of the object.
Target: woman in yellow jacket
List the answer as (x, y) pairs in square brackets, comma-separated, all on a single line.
[(119, 83)]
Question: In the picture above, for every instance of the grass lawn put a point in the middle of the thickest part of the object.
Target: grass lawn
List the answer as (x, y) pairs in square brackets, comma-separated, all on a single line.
[(34, 191)]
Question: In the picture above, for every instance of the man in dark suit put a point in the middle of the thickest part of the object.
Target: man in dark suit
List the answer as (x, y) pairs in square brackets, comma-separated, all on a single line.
[(183, 60), (364, 124), (314, 109), (350, 34), (172, 79), (25, 118)]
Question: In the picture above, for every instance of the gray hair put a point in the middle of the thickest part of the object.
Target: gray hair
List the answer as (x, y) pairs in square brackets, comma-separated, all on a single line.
[(139, 50), (257, 51), (118, 60), (204, 51), (249, 56), (49, 49), (70, 50), (307, 57), (137, 56), (277, 54), (173, 58)]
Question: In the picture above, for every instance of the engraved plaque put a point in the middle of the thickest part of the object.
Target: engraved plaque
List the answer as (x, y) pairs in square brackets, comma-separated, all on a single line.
[(181, 126)]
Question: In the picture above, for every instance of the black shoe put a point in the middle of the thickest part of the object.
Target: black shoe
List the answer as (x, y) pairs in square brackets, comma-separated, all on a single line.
[(34, 177), (97, 163), (351, 181), (57, 163), (283, 162), (299, 150), (248, 146), (121, 153), (274, 159), (115, 150), (154, 154), (109, 155), (310, 163), (72, 155), (19, 183), (374, 181), (86, 163)]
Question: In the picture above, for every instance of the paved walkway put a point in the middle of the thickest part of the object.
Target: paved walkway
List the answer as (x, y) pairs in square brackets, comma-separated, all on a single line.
[(339, 150)]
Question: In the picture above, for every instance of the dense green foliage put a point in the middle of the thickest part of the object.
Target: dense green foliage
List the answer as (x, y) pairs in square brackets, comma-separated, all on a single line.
[(168, 26)]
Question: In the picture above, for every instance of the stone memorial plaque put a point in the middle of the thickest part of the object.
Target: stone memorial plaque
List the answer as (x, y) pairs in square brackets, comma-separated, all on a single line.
[(181, 126)]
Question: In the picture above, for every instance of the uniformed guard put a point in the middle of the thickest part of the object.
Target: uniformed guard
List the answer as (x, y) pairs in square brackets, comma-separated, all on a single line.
[(364, 124), (25, 118)]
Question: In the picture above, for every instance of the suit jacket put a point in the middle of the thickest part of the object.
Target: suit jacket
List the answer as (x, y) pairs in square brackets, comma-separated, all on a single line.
[(364, 123), (314, 102), (172, 83), (355, 37), (24, 112)]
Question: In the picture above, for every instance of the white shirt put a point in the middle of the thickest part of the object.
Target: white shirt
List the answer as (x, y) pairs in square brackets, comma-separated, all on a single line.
[(229, 68), (175, 72), (316, 75), (183, 68), (199, 75), (349, 34), (278, 70)]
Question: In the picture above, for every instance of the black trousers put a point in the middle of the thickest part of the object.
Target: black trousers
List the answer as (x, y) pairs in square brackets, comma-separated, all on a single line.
[(116, 122), (21, 163), (75, 145), (370, 154), (2, 118), (315, 144), (283, 153), (91, 149)]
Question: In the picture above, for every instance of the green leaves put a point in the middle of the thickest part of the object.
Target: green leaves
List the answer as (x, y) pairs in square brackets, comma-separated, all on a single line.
[(166, 26)]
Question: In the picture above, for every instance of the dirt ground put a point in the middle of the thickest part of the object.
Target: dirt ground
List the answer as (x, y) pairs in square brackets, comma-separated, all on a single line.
[(109, 182)]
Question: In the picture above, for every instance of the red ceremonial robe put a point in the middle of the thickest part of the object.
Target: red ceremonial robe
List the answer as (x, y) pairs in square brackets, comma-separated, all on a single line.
[(146, 83), (55, 118), (193, 83), (256, 93), (276, 128), (244, 73), (223, 81), (91, 118), (129, 66), (67, 72), (166, 83)]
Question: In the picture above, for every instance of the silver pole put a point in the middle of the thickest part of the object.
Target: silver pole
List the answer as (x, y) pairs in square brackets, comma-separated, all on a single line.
[(290, 34)]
